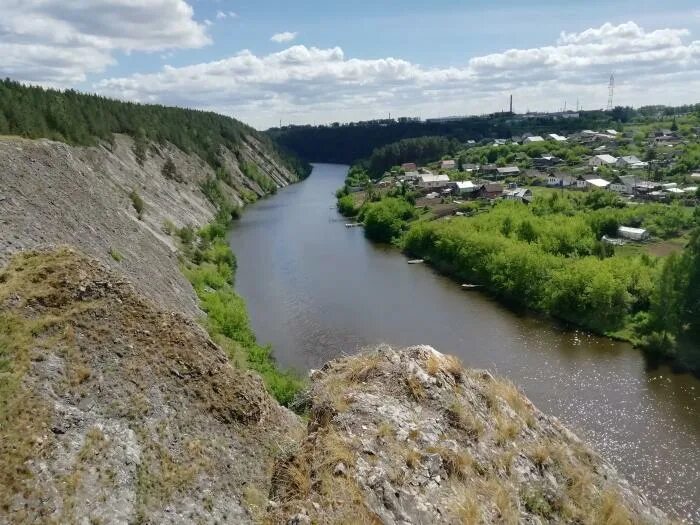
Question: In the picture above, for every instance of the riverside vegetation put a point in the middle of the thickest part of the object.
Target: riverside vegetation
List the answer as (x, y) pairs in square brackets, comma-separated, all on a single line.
[(547, 257)]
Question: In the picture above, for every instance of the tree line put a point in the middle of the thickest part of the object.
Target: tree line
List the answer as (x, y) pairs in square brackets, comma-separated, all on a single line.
[(85, 119)]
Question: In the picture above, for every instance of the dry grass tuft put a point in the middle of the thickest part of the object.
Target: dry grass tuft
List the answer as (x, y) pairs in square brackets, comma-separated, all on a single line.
[(457, 464), (413, 458), (385, 430), (464, 419), (432, 365), (362, 367), (506, 430), (466, 509), (415, 388), (611, 510)]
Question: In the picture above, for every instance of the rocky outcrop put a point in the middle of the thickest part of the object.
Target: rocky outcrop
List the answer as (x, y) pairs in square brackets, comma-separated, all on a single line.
[(411, 436), (114, 411), (52, 193)]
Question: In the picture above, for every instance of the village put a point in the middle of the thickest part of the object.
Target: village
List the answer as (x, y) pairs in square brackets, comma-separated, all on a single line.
[(525, 166)]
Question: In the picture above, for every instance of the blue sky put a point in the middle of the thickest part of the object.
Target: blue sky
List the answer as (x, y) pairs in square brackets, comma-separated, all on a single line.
[(356, 60)]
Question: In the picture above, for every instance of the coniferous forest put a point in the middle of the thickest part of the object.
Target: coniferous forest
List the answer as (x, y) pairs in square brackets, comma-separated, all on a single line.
[(82, 119)]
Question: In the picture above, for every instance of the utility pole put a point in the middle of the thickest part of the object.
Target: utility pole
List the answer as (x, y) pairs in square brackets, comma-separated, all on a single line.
[(611, 92)]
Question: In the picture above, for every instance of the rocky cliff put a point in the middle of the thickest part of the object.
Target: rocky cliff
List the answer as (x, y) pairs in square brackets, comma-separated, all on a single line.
[(52, 193)]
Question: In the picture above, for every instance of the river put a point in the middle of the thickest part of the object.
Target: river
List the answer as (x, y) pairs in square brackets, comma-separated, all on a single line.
[(317, 290)]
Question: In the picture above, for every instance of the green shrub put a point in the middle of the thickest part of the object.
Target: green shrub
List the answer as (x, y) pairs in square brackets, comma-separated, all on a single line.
[(346, 206), (387, 219), (116, 255), (138, 203)]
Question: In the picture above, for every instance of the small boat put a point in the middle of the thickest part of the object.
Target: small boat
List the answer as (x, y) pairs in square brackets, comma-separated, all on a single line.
[(416, 261), (470, 286), (353, 224)]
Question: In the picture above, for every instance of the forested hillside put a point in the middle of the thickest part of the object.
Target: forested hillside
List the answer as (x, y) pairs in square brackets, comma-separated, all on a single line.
[(81, 119), (348, 143)]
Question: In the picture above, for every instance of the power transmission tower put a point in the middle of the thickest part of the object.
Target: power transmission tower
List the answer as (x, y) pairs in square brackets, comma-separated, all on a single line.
[(611, 92)]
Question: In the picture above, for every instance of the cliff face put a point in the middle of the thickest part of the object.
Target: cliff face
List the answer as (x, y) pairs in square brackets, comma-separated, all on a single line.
[(114, 411), (52, 194)]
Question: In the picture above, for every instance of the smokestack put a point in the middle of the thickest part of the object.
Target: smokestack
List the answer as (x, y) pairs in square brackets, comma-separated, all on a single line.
[(511, 103)]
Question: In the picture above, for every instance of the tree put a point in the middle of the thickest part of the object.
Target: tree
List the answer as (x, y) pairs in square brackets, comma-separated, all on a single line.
[(169, 170)]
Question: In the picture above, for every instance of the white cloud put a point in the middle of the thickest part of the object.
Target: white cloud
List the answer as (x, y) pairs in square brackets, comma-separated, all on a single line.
[(303, 84), (286, 36), (60, 42), (221, 15)]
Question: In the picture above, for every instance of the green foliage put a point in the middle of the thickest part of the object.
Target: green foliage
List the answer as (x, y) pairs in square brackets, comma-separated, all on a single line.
[(549, 263), (419, 150), (673, 326), (138, 204), (387, 219), (114, 254), (253, 172), (169, 170), (211, 268), (75, 118), (346, 206)]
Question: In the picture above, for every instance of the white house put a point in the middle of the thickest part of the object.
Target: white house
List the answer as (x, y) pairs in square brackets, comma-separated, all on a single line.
[(634, 234), (598, 183), (535, 138), (466, 187), (602, 160), (557, 138), (560, 180), (432, 181)]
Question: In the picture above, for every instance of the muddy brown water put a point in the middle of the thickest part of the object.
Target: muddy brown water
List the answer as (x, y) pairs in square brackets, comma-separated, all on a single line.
[(317, 290)]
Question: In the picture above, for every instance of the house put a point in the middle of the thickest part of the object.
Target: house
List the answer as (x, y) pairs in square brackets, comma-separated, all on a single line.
[(627, 161), (448, 164), (557, 138), (695, 176), (611, 132), (690, 189), (409, 166), (546, 161), (633, 234), (508, 171), (523, 195), (491, 191), (584, 183), (488, 168), (500, 142), (602, 160), (560, 180), (536, 138), (411, 176), (464, 188), (433, 181), (622, 185), (674, 191), (598, 183)]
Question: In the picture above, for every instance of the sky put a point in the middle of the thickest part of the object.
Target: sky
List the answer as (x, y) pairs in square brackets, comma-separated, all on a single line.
[(313, 61)]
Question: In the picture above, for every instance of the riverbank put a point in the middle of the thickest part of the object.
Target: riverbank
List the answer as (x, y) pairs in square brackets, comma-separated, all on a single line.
[(546, 257)]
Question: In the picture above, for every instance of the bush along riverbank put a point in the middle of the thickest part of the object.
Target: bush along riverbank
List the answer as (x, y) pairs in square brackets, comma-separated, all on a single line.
[(547, 257), (210, 265)]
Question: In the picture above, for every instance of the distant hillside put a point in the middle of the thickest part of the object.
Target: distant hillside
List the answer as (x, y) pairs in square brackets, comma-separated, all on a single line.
[(348, 143), (83, 120)]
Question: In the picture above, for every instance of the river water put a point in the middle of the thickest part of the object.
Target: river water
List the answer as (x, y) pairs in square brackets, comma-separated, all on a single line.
[(317, 290)]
